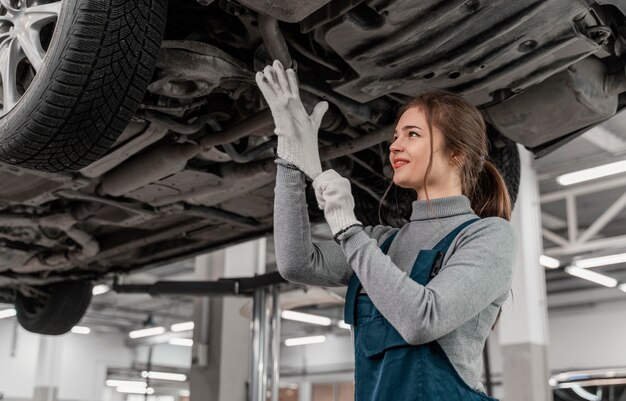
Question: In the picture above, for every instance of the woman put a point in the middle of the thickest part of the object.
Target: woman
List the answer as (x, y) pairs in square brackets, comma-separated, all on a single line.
[(422, 299)]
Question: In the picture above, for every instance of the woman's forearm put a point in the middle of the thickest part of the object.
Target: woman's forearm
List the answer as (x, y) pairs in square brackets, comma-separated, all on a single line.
[(297, 257)]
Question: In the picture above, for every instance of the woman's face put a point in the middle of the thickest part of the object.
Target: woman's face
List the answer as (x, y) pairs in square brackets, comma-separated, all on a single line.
[(409, 154)]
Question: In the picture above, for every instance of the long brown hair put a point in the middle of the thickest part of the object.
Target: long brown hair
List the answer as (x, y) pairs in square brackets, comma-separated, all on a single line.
[(464, 135)]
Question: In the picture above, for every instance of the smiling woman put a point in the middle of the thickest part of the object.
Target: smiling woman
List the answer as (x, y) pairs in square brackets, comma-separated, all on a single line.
[(439, 149), (410, 155), (425, 316), (72, 72)]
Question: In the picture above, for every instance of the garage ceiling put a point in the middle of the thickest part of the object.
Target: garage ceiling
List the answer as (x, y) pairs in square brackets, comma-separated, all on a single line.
[(601, 145)]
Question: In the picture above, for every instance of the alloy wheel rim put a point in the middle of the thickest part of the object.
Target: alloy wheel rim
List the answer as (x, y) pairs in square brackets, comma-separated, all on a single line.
[(26, 29)]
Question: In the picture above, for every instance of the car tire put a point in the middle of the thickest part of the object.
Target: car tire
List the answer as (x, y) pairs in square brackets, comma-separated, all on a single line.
[(99, 59), (503, 153), (62, 309)]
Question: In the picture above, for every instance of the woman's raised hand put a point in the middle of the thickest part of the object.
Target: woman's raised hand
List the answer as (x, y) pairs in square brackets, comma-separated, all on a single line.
[(296, 129), (335, 198)]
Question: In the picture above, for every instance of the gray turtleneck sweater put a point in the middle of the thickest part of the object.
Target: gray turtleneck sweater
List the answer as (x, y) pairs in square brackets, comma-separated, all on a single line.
[(457, 308)]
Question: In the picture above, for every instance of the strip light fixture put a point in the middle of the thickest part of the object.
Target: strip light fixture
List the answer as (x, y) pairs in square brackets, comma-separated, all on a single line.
[(622, 287), (185, 326), (81, 330), (601, 261), (125, 383), (185, 342), (343, 325), (547, 261), (290, 342), (305, 318), (100, 289), (592, 173), (591, 276), (177, 377), (7, 313), (152, 331), (135, 390)]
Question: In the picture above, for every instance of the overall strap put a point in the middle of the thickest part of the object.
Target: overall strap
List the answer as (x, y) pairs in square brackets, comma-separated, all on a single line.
[(385, 246), (444, 244)]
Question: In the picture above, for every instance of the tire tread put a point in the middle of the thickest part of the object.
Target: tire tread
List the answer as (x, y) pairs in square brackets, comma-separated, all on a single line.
[(107, 62)]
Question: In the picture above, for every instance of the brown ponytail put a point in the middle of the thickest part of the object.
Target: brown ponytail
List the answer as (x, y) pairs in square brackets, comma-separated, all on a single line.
[(464, 133), (491, 196)]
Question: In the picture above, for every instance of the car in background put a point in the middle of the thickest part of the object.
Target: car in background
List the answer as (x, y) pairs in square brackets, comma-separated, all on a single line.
[(589, 385), (132, 132)]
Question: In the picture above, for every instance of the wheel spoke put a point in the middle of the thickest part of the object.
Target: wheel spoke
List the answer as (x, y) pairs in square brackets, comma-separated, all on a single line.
[(43, 14), (31, 47), (7, 4), (10, 55), (38, 17)]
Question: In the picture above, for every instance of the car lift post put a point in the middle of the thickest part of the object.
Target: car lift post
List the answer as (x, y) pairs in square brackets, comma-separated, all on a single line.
[(265, 332)]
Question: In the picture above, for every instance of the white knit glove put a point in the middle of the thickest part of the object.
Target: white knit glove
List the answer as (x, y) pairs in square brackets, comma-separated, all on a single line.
[(296, 130), (335, 198)]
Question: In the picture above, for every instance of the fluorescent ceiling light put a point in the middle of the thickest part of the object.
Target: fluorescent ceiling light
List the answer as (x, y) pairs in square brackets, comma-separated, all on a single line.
[(601, 261), (81, 330), (591, 276), (290, 342), (184, 393), (592, 173), (152, 331), (178, 377), (7, 313), (135, 390), (100, 289), (549, 262), (125, 383), (186, 326), (343, 325), (305, 317), (185, 342), (622, 287)]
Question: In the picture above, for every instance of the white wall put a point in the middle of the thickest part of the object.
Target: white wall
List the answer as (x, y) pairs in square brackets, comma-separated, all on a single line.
[(85, 361), (581, 338), (80, 371), (175, 356), (588, 337), (17, 372)]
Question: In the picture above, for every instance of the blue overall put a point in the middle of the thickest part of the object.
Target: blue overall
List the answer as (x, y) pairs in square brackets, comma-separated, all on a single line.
[(387, 367)]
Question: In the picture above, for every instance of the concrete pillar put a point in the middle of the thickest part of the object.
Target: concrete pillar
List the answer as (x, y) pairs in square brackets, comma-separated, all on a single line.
[(305, 390), (204, 374), (523, 328), (48, 369), (221, 352)]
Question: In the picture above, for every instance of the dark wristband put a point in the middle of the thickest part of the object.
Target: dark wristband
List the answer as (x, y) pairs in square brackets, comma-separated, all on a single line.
[(343, 230)]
